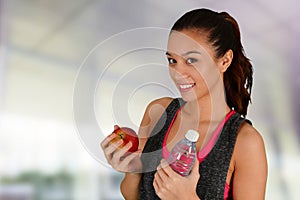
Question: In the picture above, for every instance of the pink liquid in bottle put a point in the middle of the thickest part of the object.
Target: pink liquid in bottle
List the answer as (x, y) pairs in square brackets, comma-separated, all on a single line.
[(183, 154)]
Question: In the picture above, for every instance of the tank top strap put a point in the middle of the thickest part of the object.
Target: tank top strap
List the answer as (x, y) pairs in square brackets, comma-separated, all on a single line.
[(152, 152), (153, 147), (215, 167)]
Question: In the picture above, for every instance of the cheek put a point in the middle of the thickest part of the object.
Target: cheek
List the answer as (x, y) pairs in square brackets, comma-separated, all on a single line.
[(201, 81), (213, 75), (172, 73), (207, 75)]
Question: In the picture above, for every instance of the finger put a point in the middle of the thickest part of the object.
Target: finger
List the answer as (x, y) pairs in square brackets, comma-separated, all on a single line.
[(157, 180), (113, 147), (161, 173), (158, 176), (158, 184), (164, 165), (106, 140), (122, 151), (127, 146), (127, 161), (156, 187), (195, 170), (116, 127)]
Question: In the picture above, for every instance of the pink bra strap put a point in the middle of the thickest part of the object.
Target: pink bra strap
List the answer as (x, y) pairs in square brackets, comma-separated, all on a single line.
[(210, 144)]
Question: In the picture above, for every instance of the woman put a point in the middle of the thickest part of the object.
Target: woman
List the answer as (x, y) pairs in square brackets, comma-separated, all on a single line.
[(208, 65)]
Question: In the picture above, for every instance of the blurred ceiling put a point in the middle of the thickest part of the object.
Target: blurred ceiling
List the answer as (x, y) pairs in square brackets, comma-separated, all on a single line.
[(65, 30), (61, 33)]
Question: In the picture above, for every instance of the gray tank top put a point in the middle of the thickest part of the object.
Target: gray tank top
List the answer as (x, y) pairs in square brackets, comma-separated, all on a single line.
[(213, 169)]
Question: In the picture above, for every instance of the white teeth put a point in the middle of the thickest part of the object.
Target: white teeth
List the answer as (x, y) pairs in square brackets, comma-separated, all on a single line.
[(186, 86)]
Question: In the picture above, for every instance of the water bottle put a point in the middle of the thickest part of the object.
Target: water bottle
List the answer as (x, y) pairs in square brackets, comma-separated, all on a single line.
[(184, 153)]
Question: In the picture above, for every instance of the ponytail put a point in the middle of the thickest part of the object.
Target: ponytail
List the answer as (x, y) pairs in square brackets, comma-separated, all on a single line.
[(224, 34), (238, 78)]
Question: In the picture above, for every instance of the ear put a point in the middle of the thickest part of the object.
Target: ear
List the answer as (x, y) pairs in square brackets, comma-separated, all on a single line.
[(225, 61)]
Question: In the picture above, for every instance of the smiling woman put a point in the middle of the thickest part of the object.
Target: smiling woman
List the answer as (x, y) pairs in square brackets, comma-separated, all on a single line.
[(191, 66), (214, 78)]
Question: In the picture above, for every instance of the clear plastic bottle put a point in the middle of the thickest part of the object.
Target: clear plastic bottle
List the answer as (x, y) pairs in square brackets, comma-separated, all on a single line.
[(183, 154)]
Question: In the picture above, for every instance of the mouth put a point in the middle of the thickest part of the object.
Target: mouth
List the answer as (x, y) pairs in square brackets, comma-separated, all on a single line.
[(186, 87)]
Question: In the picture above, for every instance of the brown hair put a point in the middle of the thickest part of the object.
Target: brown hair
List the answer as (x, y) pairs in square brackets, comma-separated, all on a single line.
[(224, 34)]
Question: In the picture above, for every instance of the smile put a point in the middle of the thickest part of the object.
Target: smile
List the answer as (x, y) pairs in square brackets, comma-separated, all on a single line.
[(186, 86)]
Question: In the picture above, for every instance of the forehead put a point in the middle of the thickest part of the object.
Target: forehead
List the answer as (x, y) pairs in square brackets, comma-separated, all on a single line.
[(184, 41)]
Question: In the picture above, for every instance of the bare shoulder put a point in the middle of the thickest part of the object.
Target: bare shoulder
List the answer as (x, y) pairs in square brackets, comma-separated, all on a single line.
[(250, 164), (249, 137), (164, 101), (156, 107), (249, 144), (152, 114)]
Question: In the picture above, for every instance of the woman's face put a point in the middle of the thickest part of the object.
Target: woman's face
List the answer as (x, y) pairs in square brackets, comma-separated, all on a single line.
[(192, 64)]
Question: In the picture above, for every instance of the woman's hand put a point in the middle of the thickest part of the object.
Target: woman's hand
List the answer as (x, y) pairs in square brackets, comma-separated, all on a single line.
[(170, 185), (119, 158)]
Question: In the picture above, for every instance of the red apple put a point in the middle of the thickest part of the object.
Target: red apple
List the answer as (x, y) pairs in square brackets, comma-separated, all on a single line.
[(127, 135)]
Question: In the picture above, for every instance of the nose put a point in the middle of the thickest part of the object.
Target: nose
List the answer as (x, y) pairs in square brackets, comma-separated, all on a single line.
[(179, 72)]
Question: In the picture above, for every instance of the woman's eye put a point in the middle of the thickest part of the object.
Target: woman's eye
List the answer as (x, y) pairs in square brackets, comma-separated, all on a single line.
[(171, 60), (191, 60)]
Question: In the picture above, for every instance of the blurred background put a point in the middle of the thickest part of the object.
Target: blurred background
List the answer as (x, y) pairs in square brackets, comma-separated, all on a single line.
[(45, 116)]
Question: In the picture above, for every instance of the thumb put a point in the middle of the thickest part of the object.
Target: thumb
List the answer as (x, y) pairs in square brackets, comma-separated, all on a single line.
[(195, 169), (116, 127)]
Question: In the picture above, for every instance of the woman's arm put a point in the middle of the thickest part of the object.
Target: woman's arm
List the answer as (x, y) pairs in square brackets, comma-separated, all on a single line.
[(250, 165), (130, 184)]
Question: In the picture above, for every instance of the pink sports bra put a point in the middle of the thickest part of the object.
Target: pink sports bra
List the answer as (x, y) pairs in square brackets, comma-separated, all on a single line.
[(208, 147)]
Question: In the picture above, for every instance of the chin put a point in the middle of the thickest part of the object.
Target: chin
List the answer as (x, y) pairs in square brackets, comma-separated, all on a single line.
[(189, 98), (192, 96)]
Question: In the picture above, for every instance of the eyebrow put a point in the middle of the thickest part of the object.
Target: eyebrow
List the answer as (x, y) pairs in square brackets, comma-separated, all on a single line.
[(184, 54)]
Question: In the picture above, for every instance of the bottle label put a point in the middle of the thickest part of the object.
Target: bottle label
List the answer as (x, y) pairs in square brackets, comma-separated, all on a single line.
[(183, 163)]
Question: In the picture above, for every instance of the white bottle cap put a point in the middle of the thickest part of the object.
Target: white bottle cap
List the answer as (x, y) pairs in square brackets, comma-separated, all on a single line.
[(192, 135)]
